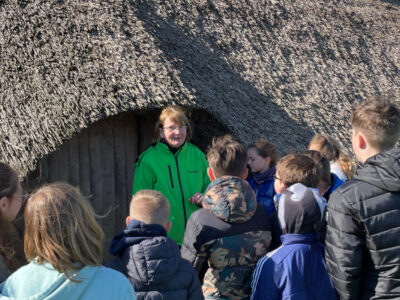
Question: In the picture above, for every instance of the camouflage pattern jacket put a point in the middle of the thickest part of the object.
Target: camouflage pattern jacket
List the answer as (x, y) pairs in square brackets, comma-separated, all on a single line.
[(225, 239)]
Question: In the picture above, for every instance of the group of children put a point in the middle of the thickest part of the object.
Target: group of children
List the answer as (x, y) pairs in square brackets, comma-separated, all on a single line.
[(259, 235)]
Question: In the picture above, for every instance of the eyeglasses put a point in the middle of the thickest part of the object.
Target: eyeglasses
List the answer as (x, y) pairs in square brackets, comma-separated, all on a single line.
[(174, 128), (277, 178)]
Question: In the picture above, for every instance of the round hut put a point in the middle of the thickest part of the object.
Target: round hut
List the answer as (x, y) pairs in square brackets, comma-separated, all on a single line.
[(83, 81)]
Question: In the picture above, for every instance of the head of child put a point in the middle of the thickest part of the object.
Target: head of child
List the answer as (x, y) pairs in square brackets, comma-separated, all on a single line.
[(173, 127), (295, 168), (375, 127), (150, 207), (323, 169), (10, 204), (226, 157), (300, 208), (60, 228), (10, 193), (261, 156), (326, 145)]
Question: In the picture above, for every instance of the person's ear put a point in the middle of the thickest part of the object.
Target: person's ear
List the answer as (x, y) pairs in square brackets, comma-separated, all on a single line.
[(362, 142), (245, 173), (3, 203), (210, 174), (128, 219), (168, 226), (161, 132), (268, 161)]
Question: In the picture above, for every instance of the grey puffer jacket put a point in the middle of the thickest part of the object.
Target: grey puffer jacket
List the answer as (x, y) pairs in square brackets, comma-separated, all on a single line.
[(363, 234), (153, 264)]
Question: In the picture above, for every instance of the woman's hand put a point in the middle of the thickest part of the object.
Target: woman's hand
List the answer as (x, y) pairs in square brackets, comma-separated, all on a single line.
[(197, 199)]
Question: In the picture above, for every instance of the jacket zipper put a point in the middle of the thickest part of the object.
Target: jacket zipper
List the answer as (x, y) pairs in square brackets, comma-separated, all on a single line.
[(180, 185), (170, 176)]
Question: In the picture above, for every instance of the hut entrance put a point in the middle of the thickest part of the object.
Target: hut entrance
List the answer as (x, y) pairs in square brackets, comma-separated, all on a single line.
[(100, 161)]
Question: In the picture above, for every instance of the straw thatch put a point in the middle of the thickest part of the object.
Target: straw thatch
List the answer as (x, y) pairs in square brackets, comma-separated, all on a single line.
[(282, 69)]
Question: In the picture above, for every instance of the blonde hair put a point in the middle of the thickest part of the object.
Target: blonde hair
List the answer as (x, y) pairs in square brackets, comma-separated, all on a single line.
[(177, 115), (379, 119), (60, 228), (331, 149), (150, 207), (298, 168)]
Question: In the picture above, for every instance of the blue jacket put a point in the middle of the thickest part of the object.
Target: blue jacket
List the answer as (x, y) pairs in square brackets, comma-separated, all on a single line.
[(263, 186), (35, 281), (296, 270), (153, 263), (335, 183)]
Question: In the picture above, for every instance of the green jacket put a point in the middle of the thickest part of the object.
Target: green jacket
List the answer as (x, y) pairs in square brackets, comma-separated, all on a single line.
[(177, 176)]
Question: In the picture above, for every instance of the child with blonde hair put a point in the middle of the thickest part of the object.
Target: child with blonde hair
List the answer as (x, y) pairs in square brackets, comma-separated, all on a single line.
[(341, 164), (148, 258), (63, 243)]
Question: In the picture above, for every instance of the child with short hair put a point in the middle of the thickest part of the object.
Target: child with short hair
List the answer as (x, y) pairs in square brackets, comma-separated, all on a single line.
[(63, 243), (226, 238), (362, 252), (152, 261), (261, 159), (296, 270), (341, 164)]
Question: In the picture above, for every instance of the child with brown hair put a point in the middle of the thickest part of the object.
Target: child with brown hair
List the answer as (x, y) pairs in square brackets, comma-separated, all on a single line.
[(63, 243), (10, 203), (148, 258), (341, 164), (261, 159), (225, 239), (296, 270), (363, 244)]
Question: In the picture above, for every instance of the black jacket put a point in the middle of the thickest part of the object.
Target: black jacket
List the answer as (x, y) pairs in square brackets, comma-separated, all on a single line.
[(363, 235), (153, 264)]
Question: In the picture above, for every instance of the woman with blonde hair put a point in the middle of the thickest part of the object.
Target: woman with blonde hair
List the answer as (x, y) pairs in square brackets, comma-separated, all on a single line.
[(341, 164), (63, 243), (174, 167), (10, 204)]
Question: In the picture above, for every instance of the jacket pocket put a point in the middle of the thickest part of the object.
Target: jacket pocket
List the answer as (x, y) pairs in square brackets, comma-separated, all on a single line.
[(170, 177)]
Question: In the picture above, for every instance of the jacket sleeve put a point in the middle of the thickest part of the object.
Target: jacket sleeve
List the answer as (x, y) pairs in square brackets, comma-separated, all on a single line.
[(144, 177), (130, 294), (194, 248), (263, 285), (344, 246), (195, 292)]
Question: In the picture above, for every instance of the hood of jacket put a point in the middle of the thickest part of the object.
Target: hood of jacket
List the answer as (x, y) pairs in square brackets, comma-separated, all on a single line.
[(382, 170), (134, 233), (44, 282), (300, 209), (147, 254), (231, 199)]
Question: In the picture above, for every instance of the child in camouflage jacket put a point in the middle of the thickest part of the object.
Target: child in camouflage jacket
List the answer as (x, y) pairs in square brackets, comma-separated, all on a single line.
[(225, 239)]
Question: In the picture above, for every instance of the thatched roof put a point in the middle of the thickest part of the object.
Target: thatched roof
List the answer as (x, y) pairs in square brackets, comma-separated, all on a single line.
[(282, 69)]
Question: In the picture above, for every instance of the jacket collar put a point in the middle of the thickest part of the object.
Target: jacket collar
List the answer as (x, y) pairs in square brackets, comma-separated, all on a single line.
[(166, 148), (134, 233), (299, 238)]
